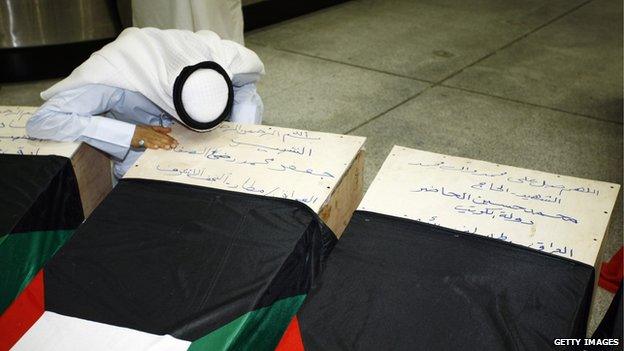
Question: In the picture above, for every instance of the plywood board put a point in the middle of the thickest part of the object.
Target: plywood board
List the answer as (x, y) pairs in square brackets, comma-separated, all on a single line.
[(93, 175), (337, 211), (557, 214), (13, 138), (263, 160)]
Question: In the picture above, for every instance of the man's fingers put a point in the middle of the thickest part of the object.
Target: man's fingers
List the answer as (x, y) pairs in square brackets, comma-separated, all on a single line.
[(162, 130), (167, 140), (161, 141), (165, 144), (172, 141), (156, 138), (151, 145)]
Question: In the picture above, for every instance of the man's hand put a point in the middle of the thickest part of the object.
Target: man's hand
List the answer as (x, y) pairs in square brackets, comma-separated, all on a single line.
[(153, 137)]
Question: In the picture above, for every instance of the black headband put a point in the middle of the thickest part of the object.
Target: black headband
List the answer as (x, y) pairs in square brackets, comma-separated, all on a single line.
[(177, 95)]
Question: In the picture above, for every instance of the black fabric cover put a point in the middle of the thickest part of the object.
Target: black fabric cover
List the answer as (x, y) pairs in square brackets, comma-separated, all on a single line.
[(38, 193), (39, 208), (611, 326), (396, 284), (169, 258)]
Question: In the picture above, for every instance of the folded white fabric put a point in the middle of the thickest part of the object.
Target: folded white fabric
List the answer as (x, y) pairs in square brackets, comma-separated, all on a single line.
[(204, 95), (189, 75)]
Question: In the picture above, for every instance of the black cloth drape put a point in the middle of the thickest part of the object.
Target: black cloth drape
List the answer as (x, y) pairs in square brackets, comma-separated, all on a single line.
[(168, 258), (397, 284)]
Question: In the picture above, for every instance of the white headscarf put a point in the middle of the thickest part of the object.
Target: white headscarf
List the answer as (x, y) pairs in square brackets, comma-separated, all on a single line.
[(189, 75)]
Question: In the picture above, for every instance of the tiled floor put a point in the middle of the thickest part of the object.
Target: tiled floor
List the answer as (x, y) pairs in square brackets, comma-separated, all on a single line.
[(526, 83), (534, 84)]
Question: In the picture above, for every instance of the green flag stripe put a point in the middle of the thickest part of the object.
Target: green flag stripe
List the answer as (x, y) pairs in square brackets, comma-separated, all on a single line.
[(256, 330), (21, 256)]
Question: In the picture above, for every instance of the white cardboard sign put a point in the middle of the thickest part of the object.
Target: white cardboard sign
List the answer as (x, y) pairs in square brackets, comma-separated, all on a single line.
[(256, 159), (561, 215), (13, 138)]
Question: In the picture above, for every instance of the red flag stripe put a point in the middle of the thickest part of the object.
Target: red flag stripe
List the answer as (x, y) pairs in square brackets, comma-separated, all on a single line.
[(22, 313), (291, 340)]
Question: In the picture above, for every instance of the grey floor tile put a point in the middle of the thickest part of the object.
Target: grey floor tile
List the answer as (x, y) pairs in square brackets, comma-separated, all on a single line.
[(573, 64), (308, 93), (422, 39), (470, 125), (24, 93)]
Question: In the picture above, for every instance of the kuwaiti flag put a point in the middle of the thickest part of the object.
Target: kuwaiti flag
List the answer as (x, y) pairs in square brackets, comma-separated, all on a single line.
[(165, 266), (397, 284), (39, 210)]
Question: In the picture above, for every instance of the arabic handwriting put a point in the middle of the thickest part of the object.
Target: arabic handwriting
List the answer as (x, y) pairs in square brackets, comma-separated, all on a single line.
[(13, 124), (533, 182), (181, 149), (249, 184), (294, 168), (544, 184), (488, 186), (218, 154), (268, 131), (566, 218), (463, 169), (241, 130), (302, 150), (493, 208)]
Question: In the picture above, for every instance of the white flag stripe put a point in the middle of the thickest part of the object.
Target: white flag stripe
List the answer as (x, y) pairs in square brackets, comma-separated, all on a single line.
[(55, 332)]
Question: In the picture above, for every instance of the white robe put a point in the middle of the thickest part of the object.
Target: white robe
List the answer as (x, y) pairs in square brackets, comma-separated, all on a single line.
[(224, 17), (149, 60)]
